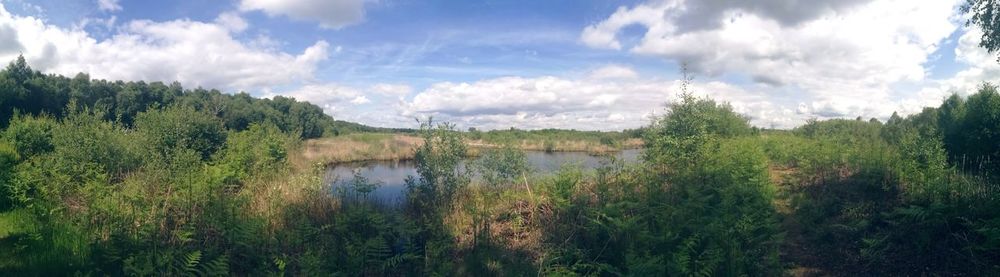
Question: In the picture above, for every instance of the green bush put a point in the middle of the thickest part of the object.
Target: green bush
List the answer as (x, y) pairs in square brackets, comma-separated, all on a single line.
[(688, 124), (181, 127), (8, 162), (723, 212), (501, 167), (432, 195), (261, 148), (30, 135)]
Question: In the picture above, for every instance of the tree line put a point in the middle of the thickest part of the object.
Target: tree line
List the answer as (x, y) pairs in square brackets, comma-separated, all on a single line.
[(29, 92)]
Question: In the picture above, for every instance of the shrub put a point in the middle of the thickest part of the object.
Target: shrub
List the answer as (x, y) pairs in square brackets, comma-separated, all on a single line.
[(8, 162), (261, 148), (687, 125), (501, 167), (29, 135), (180, 127)]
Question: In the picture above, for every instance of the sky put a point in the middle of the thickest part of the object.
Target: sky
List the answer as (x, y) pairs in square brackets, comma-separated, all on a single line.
[(528, 64)]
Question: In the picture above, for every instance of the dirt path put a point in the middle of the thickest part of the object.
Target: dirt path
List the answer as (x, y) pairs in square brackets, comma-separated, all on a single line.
[(799, 259)]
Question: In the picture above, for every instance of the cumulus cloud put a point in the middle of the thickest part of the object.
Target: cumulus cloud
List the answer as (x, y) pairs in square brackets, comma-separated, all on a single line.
[(979, 66), (842, 56), (8, 40), (232, 21), (192, 52), (331, 14), (392, 90), (109, 5), (333, 98), (701, 15), (586, 104), (614, 72)]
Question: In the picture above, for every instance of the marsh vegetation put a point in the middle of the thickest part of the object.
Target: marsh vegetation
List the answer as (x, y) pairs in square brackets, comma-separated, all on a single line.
[(116, 178)]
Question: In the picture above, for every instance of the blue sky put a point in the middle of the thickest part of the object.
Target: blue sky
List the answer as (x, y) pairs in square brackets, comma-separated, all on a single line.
[(596, 65)]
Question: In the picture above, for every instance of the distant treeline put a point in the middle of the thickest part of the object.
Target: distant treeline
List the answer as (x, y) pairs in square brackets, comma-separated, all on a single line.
[(26, 91), (514, 134), (346, 127)]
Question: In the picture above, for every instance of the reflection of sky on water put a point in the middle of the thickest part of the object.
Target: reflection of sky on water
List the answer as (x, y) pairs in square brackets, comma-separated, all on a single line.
[(392, 174)]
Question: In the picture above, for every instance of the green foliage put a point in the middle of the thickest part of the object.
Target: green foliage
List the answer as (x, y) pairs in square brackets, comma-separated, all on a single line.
[(27, 91), (722, 203), (501, 167), (562, 187), (894, 198), (431, 196), (965, 127), (694, 117), (843, 130), (30, 135), (8, 162), (981, 121), (984, 15), (700, 204), (688, 124), (261, 148), (547, 137), (180, 127), (84, 138), (438, 167), (340, 127), (115, 178)]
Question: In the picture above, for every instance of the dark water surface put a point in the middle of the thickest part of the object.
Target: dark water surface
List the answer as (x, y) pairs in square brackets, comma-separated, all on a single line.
[(391, 175)]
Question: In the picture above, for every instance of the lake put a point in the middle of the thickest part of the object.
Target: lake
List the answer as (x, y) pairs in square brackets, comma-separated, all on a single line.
[(391, 175)]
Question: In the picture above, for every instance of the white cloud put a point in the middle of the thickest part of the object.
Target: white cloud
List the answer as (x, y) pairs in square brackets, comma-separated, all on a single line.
[(603, 34), (395, 90), (979, 66), (192, 52), (586, 104), (9, 45), (361, 99), (232, 21), (331, 14), (842, 57), (105, 23), (614, 72), (333, 98), (982, 66), (109, 5)]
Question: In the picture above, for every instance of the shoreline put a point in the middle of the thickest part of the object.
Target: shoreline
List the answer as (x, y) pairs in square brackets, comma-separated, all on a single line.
[(368, 147)]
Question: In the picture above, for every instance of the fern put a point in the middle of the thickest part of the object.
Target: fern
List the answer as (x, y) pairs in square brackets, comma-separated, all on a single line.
[(280, 264), (217, 267), (138, 266), (694, 259), (189, 264), (396, 261), (377, 249)]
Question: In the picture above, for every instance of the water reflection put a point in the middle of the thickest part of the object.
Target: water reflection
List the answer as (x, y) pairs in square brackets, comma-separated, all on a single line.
[(392, 174)]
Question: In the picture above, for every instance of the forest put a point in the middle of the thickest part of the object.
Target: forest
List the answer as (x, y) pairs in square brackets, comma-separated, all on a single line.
[(127, 178)]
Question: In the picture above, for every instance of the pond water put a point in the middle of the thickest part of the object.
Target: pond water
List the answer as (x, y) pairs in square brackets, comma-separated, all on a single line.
[(391, 175)]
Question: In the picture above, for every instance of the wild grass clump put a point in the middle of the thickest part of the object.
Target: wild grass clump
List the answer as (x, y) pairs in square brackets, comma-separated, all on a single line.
[(357, 147)]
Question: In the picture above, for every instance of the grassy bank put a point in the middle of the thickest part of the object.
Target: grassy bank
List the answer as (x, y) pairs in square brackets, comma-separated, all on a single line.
[(394, 147), (567, 145), (357, 147)]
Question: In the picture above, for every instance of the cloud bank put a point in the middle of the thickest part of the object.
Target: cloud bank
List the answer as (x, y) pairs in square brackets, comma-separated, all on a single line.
[(843, 57), (205, 54), (331, 14)]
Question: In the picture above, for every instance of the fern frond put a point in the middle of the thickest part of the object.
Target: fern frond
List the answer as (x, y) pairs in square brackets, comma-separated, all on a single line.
[(191, 261), (217, 267)]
